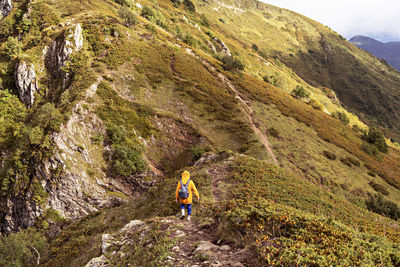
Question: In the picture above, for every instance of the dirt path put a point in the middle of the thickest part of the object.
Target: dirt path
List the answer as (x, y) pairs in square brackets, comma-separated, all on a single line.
[(246, 109), (199, 246), (249, 112)]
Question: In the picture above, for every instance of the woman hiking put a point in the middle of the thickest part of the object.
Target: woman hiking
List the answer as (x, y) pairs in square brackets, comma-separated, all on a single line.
[(184, 194)]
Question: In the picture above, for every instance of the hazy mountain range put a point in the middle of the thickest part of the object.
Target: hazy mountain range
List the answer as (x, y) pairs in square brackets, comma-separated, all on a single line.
[(389, 51)]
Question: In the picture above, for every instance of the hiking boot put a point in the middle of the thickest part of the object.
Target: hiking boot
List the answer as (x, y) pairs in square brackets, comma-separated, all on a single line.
[(182, 217), (188, 218)]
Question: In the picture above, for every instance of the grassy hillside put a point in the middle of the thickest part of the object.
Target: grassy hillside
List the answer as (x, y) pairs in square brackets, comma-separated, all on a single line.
[(281, 177), (315, 53)]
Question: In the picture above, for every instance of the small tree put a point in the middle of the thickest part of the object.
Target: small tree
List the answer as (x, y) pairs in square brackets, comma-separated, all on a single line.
[(376, 138), (128, 3), (12, 47), (300, 92), (341, 116), (232, 63), (128, 16), (189, 5)]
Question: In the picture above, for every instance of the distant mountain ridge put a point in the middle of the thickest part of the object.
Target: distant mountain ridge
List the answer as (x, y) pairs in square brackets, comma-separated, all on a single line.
[(388, 51)]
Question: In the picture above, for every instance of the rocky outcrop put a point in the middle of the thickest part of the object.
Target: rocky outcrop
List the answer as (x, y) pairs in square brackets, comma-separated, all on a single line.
[(25, 81), (61, 50), (21, 211), (221, 47), (5, 8)]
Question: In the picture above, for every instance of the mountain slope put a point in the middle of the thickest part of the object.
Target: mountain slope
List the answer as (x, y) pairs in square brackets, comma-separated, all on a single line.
[(116, 99), (388, 51), (314, 52)]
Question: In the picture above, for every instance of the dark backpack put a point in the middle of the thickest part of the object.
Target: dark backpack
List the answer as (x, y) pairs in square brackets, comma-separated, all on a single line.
[(184, 191)]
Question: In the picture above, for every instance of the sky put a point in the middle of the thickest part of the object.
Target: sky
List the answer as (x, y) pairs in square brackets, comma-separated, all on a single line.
[(379, 19)]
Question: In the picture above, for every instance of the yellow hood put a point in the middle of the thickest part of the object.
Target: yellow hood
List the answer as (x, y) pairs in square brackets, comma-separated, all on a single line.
[(185, 177)]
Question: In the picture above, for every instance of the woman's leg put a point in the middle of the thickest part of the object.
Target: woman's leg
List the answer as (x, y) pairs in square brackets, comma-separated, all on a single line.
[(182, 211), (189, 208)]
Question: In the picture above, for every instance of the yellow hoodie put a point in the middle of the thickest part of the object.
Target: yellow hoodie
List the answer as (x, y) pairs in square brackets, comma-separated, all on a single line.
[(191, 187)]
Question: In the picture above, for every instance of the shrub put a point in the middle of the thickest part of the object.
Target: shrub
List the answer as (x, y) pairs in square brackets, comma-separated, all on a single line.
[(189, 5), (254, 47), (127, 159), (316, 104), (127, 3), (371, 173), (273, 132), (126, 154), (387, 208), (370, 149), (148, 13), (341, 116), (376, 138), (329, 155), (190, 40), (128, 16), (232, 63), (204, 21), (22, 249), (356, 128), (196, 152), (272, 79), (354, 161), (300, 92), (346, 161), (379, 188), (154, 16), (12, 47)]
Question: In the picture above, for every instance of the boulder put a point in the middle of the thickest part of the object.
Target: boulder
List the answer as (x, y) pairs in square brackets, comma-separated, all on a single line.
[(97, 262), (5, 8), (221, 47), (25, 81), (205, 246), (132, 226)]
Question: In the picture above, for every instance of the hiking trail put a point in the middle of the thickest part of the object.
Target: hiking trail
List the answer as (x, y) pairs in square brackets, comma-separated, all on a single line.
[(246, 108)]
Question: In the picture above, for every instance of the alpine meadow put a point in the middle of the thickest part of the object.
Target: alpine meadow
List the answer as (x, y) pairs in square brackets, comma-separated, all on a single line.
[(288, 132)]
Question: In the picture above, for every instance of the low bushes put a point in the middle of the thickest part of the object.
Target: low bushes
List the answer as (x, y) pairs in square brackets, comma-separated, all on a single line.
[(380, 205), (341, 116), (300, 92), (379, 188), (128, 16), (329, 155), (232, 63), (376, 138)]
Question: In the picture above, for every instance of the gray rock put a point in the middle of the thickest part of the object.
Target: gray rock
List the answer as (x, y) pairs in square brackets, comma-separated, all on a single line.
[(224, 248), (25, 81), (98, 262), (179, 233), (5, 8), (61, 50), (132, 226), (221, 47), (211, 46), (205, 246), (106, 242)]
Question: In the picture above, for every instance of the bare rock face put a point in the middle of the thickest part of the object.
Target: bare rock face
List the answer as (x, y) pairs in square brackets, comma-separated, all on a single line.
[(5, 8), (25, 80), (61, 50)]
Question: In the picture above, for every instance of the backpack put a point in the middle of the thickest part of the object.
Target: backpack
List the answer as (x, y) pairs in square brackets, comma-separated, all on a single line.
[(184, 191)]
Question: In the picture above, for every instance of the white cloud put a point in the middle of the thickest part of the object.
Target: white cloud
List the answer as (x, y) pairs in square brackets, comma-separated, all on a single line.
[(375, 18)]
